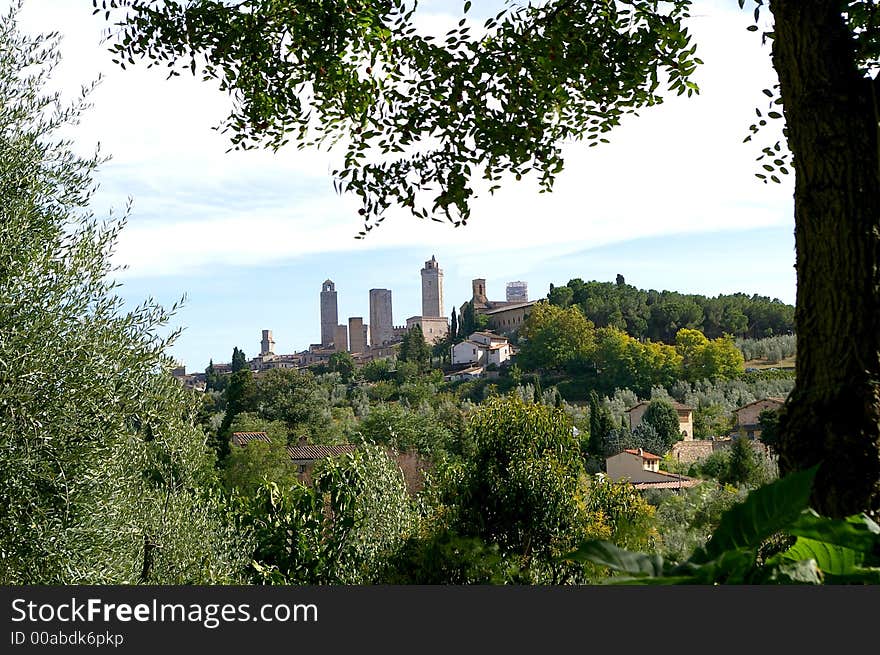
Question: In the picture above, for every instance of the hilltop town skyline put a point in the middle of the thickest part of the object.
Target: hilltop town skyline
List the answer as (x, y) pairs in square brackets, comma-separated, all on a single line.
[(248, 236), (297, 326), (366, 335)]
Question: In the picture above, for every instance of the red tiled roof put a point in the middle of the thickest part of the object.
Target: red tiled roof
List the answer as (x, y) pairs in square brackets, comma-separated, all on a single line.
[(242, 438), (645, 454), (318, 451), (773, 399), (683, 483)]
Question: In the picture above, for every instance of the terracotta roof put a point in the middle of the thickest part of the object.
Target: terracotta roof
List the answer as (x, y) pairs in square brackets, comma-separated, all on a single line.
[(242, 438), (491, 335), (318, 451), (644, 454), (684, 483), (781, 401), (511, 306)]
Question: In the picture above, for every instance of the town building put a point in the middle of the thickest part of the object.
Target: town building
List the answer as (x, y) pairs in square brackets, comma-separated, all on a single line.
[(505, 316), (747, 416), (685, 417), (483, 349), (517, 291), (642, 469)]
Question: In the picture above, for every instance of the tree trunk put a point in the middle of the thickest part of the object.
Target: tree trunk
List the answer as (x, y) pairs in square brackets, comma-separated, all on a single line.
[(833, 414)]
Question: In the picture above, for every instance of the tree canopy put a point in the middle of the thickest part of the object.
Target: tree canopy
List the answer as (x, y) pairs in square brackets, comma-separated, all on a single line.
[(106, 478)]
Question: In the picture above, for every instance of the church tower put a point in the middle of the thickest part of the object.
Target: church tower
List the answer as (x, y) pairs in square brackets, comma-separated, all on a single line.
[(329, 318), (432, 289)]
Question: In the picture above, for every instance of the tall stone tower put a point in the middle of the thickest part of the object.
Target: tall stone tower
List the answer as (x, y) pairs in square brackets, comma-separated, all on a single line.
[(381, 319), (479, 288), (432, 289), (267, 345), (340, 338), (357, 342), (329, 317)]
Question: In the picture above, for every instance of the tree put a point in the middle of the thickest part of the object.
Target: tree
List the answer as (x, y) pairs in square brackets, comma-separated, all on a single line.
[(239, 361), (661, 416), (743, 465), (213, 380), (337, 531), (294, 397), (342, 363), (106, 478), (521, 486), (718, 359), (241, 396), (249, 466), (402, 429), (555, 338), (601, 424), (453, 328), (532, 68), (768, 421), (415, 349)]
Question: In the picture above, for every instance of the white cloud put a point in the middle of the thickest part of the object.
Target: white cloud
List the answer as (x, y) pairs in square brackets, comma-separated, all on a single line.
[(680, 167)]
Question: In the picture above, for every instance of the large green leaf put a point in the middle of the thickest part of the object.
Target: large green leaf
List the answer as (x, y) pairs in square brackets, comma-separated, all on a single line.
[(832, 559), (607, 554), (858, 533), (767, 510), (791, 572)]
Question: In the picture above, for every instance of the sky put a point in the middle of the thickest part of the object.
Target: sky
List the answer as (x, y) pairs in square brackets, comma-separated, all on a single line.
[(248, 237)]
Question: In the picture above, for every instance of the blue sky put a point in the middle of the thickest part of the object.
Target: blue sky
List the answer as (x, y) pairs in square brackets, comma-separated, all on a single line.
[(670, 203)]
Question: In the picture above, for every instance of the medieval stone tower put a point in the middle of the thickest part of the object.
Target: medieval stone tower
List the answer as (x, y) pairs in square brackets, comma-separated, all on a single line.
[(267, 345), (357, 334), (329, 317), (381, 320), (432, 289)]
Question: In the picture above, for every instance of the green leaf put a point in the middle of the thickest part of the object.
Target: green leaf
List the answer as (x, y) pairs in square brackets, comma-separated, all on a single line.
[(858, 533), (832, 559), (607, 554), (794, 572), (767, 510)]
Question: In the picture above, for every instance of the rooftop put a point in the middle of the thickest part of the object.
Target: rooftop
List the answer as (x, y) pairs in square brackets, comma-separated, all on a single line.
[(508, 306), (644, 454), (242, 438), (318, 451), (773, 399)]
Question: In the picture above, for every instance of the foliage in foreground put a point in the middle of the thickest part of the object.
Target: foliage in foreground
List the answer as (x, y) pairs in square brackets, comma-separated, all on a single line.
[(773, 537), (106, 479), (337, 531)]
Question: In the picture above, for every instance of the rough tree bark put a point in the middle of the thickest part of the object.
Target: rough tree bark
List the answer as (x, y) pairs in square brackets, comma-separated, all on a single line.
[(831, 109)]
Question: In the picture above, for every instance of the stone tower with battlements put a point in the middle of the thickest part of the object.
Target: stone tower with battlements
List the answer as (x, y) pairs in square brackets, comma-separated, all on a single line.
[(329, 316), (432, 289), (381, 320), (267, 345)]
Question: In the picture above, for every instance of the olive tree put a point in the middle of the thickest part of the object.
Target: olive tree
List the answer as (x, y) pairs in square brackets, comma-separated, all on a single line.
[(106, 479)]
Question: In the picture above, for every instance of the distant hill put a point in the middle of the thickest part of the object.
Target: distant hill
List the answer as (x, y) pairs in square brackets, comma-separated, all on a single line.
[(658, 315)]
